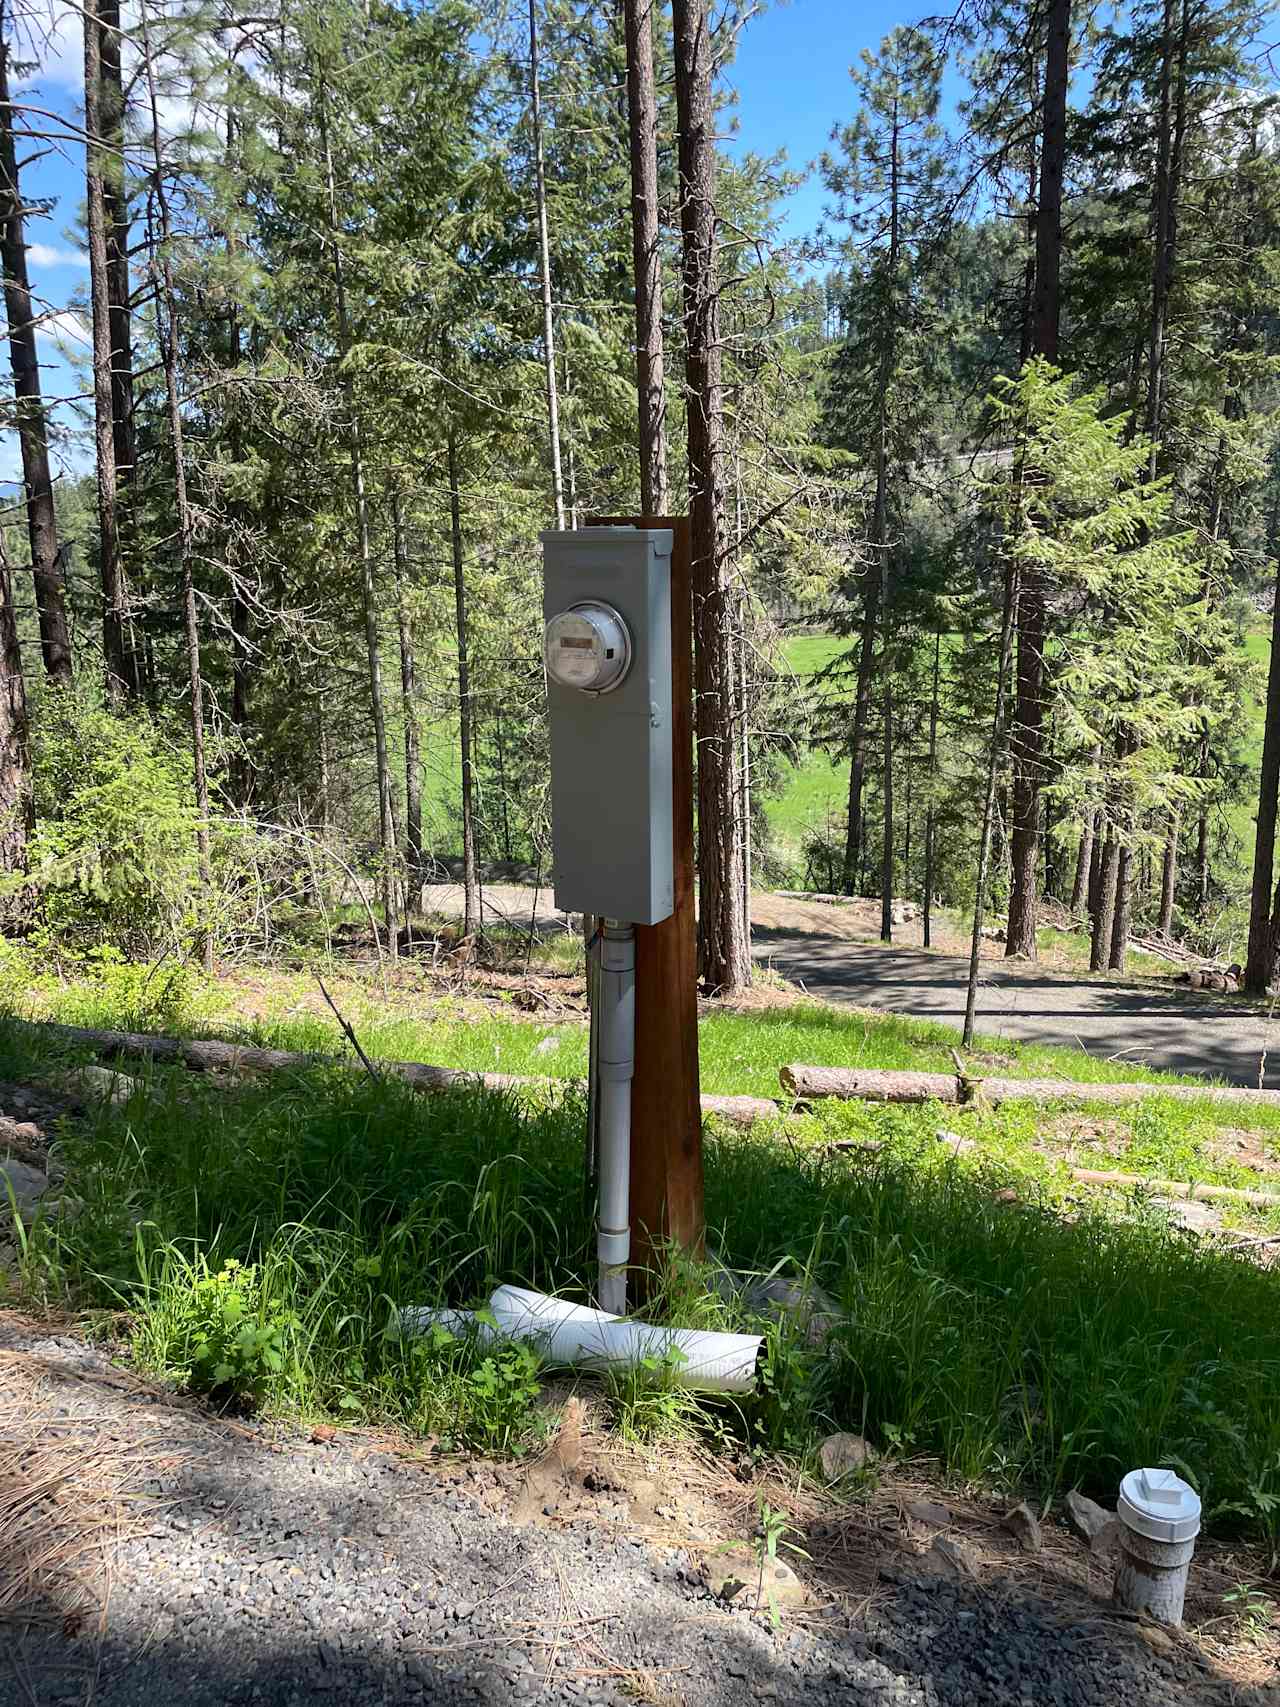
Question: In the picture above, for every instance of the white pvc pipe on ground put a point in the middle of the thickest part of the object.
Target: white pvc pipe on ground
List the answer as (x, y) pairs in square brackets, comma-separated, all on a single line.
[(573, 1335), (1159, 1521)]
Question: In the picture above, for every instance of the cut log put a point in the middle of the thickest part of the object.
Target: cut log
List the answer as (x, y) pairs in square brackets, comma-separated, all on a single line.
[(208, 1055), (1180, 1188), (869, 1084)]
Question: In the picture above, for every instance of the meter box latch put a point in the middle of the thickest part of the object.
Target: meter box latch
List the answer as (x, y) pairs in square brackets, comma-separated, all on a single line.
[(607, 649)]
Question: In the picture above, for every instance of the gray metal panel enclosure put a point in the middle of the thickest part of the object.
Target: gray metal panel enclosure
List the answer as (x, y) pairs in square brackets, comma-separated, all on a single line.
[(611, 753)]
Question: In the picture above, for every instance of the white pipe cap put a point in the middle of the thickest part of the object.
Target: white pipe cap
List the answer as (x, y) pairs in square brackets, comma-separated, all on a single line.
[(1159, 1505)]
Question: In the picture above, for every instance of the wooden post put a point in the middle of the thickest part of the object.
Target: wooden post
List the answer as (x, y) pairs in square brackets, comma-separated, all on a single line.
[(666, 1119)]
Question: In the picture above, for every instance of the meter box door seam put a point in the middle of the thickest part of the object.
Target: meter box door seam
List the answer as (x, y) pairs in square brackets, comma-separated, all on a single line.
[(607, 648)]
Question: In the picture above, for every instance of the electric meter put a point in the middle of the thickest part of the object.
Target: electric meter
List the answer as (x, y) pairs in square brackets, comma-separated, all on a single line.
[(587, 647), (606, 610)]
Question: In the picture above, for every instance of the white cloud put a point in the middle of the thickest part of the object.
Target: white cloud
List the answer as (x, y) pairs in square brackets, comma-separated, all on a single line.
[(46, 255), (64, 328)]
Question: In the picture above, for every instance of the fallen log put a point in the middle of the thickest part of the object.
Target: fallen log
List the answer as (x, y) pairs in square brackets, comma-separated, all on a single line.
[(871, 1084), (1180, 1188), (208, 1055)]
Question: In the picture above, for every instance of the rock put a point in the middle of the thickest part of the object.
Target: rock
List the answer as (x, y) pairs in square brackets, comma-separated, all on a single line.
[(929, 1512), (1024, 1526), (1186, 1212), (814, 1311), (27, 1184), (841, 1454), (1085, 1518), (957, 1145), (950, 1558), (97, 1084), (1106, 1540), (734, 1577), (548, 1044)]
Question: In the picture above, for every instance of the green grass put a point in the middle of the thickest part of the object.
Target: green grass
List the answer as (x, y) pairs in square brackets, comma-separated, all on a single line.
[(1018, 1347), (815, 791)]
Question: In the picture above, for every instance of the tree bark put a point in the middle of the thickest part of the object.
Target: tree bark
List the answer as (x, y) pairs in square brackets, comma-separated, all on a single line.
[(1120, 917), (117, 221), (724, 941), (472, 923), (1007, 620), (930, 812), (853, 846), (123, 681), (1104, 917), (886, 848), (646, 243), (368, 591), (167, 322), (1028, 735), (1084, 862), (15, 762), (1264, 906), (409, 698), (31, 422), (544, 264)]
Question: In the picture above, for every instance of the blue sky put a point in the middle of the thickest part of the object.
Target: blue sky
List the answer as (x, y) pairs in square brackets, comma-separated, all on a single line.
[(791, 76), (791, 79)]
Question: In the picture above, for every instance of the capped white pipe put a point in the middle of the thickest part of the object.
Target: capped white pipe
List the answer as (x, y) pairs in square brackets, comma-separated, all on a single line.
[(573, 1335), (1159, 1521)]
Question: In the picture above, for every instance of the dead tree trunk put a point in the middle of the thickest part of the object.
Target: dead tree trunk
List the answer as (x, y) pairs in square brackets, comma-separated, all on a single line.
[(368, 591), (646, 243), (724, 942), (544, 263), (1028, 740), (167, 323), (121, 662), (472, 923), (42, 524), (409, 698)]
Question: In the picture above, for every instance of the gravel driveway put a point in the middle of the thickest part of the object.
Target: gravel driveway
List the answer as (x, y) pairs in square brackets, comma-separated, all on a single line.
[(260, 1566), (1179, 1030)]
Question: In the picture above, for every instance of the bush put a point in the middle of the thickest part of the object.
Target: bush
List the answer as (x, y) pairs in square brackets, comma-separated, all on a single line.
[(113, 854)]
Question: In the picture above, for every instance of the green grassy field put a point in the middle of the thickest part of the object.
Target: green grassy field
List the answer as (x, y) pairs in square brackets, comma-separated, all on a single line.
[(815, 791)]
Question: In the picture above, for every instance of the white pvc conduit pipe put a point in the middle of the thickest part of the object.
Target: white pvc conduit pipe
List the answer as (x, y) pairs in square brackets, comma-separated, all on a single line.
[(570, 1334), (616, 985)]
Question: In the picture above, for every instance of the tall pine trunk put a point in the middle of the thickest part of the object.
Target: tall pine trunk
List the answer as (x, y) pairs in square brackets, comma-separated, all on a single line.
[(995, 756), (122, 672), (167, 325), (409, 698), (646, 244), (544, 268), (364, 548), (30, 420), (854, 826), (471, 920), (1104, 916), (930, 817), (723, 932), (1264, 906), (1046, 312)]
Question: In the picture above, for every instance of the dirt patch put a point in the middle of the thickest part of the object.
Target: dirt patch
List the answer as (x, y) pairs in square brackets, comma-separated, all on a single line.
[(1247, 1149)]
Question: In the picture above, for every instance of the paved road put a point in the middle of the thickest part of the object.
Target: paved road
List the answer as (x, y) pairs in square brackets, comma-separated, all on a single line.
[(1166, 1028)]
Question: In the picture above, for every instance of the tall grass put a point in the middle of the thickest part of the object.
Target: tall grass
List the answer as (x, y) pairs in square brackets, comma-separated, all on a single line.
[(1012, 1344)]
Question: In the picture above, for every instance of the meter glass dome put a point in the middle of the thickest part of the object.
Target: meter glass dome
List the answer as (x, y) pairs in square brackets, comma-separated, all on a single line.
[(588, 647)]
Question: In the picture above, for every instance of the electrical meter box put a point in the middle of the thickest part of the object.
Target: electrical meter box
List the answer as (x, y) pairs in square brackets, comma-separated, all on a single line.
[(607, 649)]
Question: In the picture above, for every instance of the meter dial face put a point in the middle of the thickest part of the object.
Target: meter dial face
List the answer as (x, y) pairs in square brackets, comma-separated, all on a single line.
[(587, 646)]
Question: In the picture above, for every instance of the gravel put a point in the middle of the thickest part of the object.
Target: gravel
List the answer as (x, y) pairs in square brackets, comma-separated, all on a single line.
[(277, 1571)]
